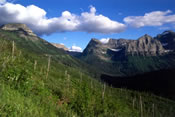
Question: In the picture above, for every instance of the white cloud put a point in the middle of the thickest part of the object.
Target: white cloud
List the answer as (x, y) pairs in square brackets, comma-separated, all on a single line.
[(37, 20), (90, 22), (155, 18), (2, 1), (75, 49), (104, 40)]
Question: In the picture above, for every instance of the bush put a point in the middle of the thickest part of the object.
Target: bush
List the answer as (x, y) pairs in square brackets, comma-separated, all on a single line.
[(16, 72)]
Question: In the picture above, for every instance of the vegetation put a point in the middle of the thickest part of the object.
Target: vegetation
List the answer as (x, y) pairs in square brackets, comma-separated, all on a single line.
[(130, 65), (39, 83)]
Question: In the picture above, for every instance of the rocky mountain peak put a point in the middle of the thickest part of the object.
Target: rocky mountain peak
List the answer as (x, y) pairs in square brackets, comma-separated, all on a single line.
[(60, 46), (167, 38), (18, 27), (145, 37), (97, 48), (145, 40), (145, 45), (95, 41)]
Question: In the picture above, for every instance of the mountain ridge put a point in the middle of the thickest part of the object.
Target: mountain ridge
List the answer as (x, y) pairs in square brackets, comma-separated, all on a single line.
[(121, 56), (60, 46), (18, 27), (34, 44), (144, 45)]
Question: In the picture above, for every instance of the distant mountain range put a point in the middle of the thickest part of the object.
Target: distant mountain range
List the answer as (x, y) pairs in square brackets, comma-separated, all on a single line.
[(123, 57)]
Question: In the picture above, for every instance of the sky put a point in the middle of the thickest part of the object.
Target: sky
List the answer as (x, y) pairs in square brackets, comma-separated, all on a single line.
[(74, 22)]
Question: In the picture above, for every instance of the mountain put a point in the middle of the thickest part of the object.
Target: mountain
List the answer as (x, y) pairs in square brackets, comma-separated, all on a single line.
[(145, 46), (25, 39), (167, 38), (18, 27), (72, 53), (128, 57), (60, 46), (40, 80)]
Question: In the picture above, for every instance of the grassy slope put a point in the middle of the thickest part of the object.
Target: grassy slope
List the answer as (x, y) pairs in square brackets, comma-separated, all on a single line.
[(36, 45), (68, 90)]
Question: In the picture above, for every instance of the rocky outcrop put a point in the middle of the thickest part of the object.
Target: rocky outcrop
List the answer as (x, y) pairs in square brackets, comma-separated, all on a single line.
[(146, 46), (97, 48), (118, 43), (18, 27), (60, 46), (119, 57)]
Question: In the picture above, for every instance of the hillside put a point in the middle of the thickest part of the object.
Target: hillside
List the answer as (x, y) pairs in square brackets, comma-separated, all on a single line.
[(30, 43), (40, 80)]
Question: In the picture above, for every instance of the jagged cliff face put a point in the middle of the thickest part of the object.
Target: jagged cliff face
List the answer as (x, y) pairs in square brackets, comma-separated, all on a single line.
[(118, 43), (18, 27), (95, 47), (144, 46), (129, 57)]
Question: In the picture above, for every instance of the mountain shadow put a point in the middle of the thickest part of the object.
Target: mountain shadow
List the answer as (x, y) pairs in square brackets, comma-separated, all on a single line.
[(158, 82)]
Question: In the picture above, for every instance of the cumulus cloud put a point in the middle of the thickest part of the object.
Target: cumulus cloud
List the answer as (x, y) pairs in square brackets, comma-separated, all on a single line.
[(155, 18), (75, 49), (104, 40), (91, 22), (2, 1), (37, 20)]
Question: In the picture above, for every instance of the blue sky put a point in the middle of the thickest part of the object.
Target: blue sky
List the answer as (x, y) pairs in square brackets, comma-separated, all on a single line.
[(160, 16)]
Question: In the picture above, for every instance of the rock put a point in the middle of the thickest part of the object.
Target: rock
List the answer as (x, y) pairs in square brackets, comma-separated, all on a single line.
[(118, 43), (60, 46), (18, 27), (167, 38), (145, 45)]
